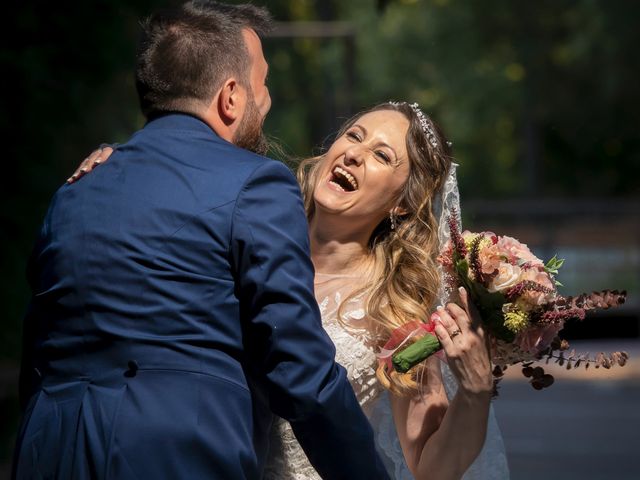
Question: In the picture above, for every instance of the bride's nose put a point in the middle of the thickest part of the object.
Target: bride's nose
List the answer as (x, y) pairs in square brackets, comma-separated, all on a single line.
[(354, 155)]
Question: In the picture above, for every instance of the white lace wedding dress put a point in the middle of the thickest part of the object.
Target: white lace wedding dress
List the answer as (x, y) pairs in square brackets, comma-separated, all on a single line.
[(355, 351)]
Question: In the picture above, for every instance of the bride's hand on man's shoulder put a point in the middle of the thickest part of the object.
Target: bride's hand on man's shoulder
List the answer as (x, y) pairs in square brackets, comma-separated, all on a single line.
[(97, 157), (465, 343)]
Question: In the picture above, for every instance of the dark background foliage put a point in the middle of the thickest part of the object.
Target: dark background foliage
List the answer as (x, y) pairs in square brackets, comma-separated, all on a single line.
[(540, 99)]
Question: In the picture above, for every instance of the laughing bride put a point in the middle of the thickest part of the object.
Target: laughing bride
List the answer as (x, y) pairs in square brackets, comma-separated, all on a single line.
[(374, 202)]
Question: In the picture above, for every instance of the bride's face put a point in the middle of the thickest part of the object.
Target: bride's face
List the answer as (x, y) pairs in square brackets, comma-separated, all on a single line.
[(365, 169)]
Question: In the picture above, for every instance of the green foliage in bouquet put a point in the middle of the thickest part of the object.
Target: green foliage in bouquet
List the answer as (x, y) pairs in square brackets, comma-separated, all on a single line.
[(489, 304), (552, 268)]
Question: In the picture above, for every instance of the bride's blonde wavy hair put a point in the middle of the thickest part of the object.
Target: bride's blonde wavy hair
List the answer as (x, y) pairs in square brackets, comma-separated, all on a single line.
[(405, 281)]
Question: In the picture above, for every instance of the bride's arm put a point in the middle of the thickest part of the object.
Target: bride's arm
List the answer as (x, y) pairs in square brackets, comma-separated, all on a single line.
[(441, 439)]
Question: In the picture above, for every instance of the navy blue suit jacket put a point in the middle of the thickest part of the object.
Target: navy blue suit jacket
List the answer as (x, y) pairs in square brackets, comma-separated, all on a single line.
[(172, 311)]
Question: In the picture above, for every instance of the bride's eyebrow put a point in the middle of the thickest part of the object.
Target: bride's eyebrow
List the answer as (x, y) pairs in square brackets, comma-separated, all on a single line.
[(357, 125), (381, 143)]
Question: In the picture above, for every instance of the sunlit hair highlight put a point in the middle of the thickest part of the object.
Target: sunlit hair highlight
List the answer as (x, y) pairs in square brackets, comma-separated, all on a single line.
[(405, 280)]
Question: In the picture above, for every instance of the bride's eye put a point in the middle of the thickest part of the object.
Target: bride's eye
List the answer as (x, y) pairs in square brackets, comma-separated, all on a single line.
[(383, 156), (354, 135)]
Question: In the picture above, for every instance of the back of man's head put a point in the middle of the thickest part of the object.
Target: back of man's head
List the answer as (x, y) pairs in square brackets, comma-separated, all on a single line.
[(186, 54)]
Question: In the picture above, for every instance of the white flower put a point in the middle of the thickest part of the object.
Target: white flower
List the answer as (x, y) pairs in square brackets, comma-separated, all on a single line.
[(508, 276)]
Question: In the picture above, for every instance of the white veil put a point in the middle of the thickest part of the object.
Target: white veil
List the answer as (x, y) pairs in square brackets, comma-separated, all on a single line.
[(492, 461)]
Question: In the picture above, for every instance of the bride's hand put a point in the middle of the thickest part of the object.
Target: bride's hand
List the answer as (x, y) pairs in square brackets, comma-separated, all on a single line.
[(96, 158), (465, 345)]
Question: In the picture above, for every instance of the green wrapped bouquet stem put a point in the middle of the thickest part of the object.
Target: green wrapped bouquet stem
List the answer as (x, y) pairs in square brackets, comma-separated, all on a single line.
[(415, 353)]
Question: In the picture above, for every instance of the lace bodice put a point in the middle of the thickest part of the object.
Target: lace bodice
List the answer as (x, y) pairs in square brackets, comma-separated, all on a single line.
[(355, 351)]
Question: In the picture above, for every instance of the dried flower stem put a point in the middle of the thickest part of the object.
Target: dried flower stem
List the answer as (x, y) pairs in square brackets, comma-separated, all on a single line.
[(589, 301), (561, 315), (474, 258), (526, 286), (601, 359), (456, 238)]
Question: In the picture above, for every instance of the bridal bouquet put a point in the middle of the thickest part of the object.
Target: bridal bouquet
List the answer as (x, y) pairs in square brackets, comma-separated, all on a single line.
[(519, 305)]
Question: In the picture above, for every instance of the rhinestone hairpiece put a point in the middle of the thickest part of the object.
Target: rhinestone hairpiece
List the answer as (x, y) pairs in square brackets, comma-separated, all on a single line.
[(426, 125)]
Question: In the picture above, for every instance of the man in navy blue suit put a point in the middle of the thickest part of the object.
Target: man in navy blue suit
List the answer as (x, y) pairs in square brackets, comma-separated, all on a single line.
[(173, 305)]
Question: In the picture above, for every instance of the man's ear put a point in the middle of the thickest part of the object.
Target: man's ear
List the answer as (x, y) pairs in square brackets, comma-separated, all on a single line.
[(231, 101)]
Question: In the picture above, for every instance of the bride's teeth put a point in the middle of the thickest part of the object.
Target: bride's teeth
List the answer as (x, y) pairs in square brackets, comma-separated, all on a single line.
[(350, 178)]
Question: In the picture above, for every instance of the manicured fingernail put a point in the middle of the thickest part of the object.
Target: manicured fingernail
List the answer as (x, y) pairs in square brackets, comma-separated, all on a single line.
[(84, 170), (435, 317), (440, 308)]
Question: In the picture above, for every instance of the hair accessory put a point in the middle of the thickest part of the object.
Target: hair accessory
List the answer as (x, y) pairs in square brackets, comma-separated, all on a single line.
[(425, 123)]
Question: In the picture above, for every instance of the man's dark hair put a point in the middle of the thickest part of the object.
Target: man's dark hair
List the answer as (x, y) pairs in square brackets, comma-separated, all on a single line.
[(185, 54)]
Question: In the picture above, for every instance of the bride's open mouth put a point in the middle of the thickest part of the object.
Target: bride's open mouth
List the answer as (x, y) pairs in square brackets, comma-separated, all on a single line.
[(343, 180)]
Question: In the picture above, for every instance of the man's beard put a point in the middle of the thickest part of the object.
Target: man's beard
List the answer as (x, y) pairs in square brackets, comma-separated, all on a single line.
[(249, 134)]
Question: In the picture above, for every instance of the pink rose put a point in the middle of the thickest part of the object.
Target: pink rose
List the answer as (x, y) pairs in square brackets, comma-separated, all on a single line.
[(536, 339), (541, 278), (516, 251), (490, 259)]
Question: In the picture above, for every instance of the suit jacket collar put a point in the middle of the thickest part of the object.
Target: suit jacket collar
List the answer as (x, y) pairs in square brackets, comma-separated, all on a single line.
[(179, 121)]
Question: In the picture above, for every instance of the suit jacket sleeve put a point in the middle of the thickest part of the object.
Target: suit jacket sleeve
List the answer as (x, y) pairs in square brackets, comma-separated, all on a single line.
[(284, 338)]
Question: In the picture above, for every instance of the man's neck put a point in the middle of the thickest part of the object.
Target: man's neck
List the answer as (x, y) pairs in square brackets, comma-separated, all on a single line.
[(211, 117)]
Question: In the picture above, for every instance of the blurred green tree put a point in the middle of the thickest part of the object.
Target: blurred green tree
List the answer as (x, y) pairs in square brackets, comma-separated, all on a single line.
[(538, 98)]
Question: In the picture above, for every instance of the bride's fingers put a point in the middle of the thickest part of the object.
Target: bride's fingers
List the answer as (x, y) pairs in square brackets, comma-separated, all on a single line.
[(103, 156), (460, 316), (470, 307), (464, 300), (444, 338), (85, 166), (447, 321), (96, 158)]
